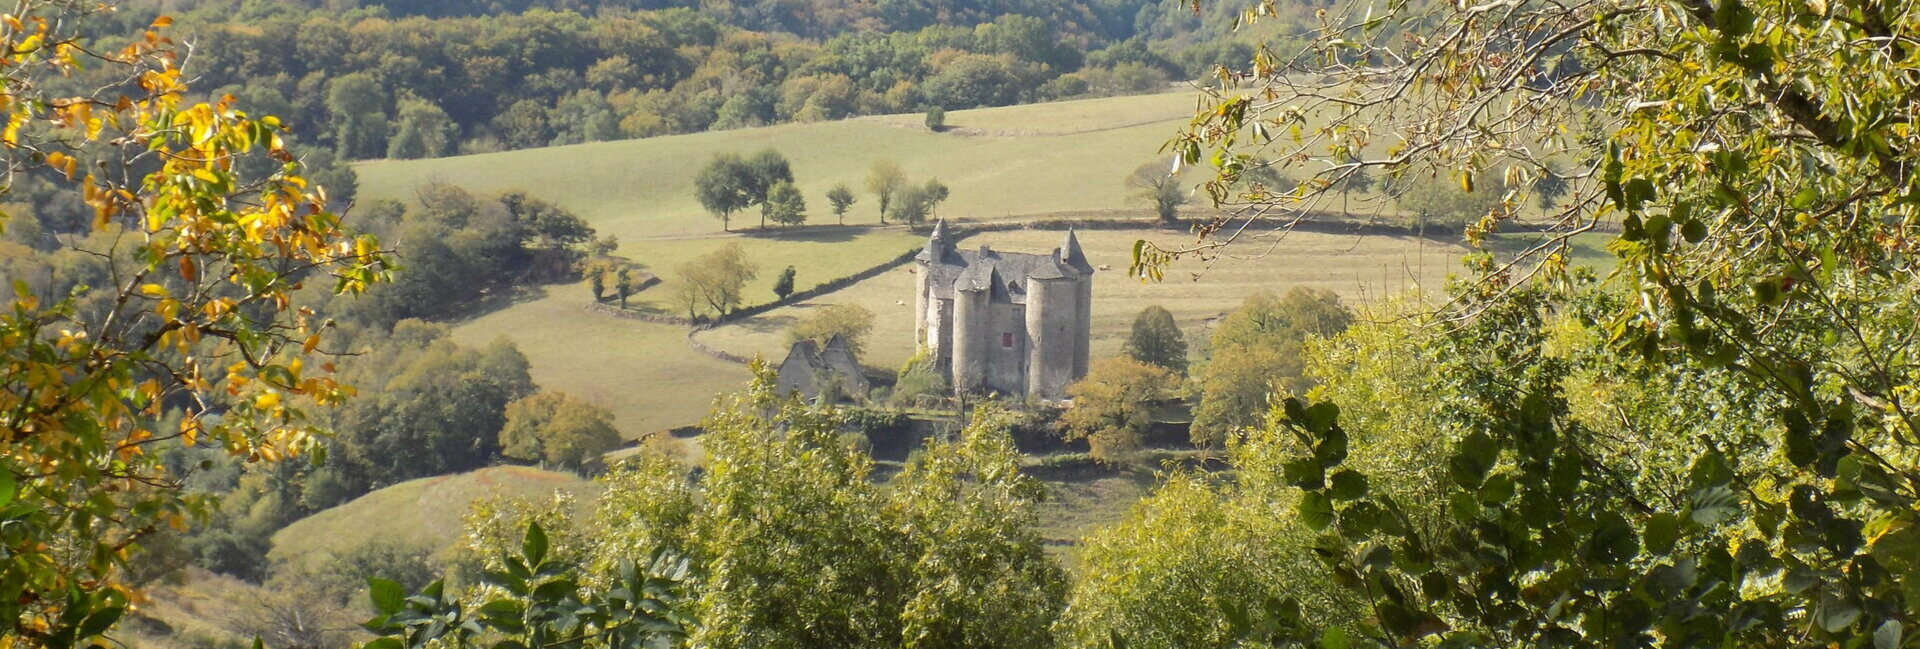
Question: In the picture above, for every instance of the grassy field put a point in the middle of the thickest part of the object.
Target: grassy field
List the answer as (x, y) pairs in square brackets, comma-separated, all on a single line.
[(644, 372), (1063, 117), (1360, 268), (420, 513), (638, 189), (817, 256)]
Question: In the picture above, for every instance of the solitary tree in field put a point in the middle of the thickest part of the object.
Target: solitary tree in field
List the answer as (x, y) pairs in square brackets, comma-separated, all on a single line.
[(841, 198), (783, 285), (623, 284), (785, 205), (715, 281), (1156, 339), (1157, 187), (724, 186), (885, 180)]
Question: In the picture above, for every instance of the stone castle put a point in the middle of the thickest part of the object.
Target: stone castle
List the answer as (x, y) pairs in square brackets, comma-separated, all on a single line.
[(1014, 324)]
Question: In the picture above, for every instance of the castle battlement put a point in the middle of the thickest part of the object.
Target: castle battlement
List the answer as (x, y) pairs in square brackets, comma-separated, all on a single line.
[(1005, 322)]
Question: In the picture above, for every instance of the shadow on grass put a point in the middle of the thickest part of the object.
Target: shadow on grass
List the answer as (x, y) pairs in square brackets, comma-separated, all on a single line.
[(810, 233)]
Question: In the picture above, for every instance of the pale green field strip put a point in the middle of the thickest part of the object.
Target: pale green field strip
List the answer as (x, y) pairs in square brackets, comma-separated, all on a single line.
[(645, 373), (423, 513), (1360, 268)]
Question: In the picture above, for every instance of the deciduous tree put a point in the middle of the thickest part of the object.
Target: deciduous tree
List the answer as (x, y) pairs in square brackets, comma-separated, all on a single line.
[(1114, 404), (841, 198), (851, 322), (1156, 339), (200, 341), (885, 179)]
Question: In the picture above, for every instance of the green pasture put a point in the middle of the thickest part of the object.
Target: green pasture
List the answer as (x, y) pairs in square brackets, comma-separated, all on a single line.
[(424, 513), (644, 372), (639, 189)]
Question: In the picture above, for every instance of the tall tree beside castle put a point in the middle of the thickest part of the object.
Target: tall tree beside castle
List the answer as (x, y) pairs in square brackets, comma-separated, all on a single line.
[(1156, 339)]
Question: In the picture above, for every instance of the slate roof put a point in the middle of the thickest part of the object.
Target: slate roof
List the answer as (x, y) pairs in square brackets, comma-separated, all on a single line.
[(1006, 274)]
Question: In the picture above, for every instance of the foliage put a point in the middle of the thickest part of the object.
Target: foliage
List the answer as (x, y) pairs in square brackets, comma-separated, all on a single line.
[(936, 119), (538, 601), (715, 280), (916, 204), (1430, 201), (766, 171), (1153, 185), (1156, 339), (842, 199), (783, 286), (851, 322), (556, 429), (1114, 404), (1762, 201), (919, 379), (1255, 353), (722, 186), (189, 336), (885, 180), (785, 205), (622, 284)]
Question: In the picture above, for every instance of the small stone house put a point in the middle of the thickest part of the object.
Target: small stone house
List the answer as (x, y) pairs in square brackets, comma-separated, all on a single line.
[(812, 369)]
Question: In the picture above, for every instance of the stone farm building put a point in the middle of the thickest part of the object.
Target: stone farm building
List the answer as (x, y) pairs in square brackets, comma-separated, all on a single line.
[(1013, 324), (812, 369)]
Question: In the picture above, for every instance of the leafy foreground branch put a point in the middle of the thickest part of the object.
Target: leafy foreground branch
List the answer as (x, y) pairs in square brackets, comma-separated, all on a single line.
[(537, 602)]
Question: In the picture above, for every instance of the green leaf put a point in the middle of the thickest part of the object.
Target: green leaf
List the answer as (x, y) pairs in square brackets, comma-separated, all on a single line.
[(1888, 635), (1714, 505), (1613, 541), (100, 621), (1335, 638), (1693, 230), (1837, 614), (534, 547), (1348, 485), (1316, 511), (387, 595), (385, 643), (1662, 530)]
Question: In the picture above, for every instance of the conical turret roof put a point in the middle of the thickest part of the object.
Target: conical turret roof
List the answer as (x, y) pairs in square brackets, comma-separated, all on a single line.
[(1072, 256)]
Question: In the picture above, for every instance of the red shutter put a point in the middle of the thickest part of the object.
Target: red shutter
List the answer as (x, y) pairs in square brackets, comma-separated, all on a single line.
[(1006, 339)]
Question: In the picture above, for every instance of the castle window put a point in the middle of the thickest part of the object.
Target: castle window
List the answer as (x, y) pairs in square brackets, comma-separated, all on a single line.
[(1006, 339)]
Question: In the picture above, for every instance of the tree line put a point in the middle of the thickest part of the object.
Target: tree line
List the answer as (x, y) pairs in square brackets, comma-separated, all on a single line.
[(374, 83)]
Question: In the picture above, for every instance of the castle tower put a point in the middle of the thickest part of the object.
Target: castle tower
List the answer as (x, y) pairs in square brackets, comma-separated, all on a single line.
[(935, 254), (1073, 257), (970, 323), (1052, 303)]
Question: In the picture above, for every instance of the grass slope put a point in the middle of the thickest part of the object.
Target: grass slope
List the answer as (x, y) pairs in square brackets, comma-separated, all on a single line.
[(1071, 156), (644, 372), (423, 513)]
